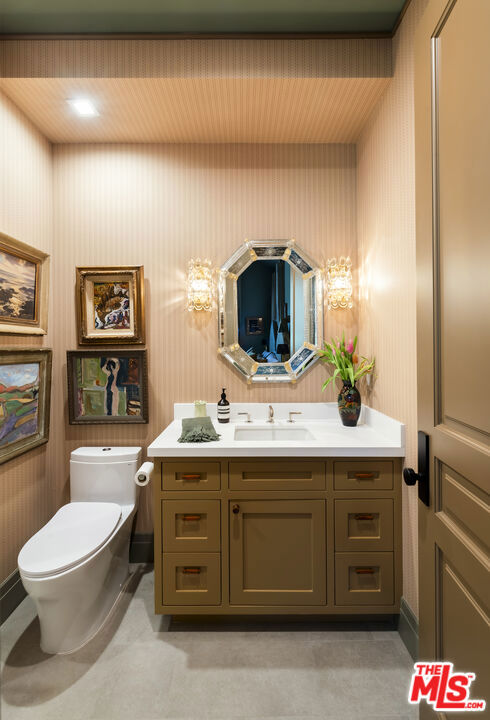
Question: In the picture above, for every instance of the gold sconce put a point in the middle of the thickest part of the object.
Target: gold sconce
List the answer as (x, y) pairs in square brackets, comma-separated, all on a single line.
[(339, 283), (200, 285)]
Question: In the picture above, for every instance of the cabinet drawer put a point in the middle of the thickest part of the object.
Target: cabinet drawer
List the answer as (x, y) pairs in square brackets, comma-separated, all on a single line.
[(364, 525), (191, 525), (281, 475), (364, 578), (191, 579), (363, 475), (191, 476)]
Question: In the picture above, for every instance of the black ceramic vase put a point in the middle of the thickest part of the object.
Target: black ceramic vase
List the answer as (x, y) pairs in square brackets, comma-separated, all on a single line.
[(349, 402)]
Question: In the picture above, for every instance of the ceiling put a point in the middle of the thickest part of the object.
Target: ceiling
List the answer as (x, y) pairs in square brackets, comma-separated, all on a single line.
[(182, 110), (199, 16)]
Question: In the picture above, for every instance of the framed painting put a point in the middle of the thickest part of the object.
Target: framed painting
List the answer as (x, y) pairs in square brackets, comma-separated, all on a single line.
[(110, 305), (25, 391), (107, 387), (24, 286)]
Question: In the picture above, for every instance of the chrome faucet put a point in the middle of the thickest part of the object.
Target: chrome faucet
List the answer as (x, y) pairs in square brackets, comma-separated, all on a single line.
[(271, 414)]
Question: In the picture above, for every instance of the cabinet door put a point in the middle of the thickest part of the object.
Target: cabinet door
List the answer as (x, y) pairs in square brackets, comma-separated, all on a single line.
[(277, 552)]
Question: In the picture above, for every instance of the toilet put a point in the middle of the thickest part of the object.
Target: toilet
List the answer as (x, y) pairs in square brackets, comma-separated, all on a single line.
[(75, 567)]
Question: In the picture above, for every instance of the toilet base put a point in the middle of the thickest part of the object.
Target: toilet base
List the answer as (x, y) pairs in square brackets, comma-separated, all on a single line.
[(74, 605)]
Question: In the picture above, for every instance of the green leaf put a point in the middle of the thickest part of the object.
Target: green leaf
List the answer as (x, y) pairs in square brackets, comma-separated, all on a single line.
[(327, 383), (351, 375)]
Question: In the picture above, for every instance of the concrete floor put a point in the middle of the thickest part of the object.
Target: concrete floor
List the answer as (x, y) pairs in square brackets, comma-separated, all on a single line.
[(141, 666)]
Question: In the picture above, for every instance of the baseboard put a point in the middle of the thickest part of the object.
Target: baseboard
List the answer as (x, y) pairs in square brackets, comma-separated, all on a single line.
[(408, 629), (11, 594), (141, 548)]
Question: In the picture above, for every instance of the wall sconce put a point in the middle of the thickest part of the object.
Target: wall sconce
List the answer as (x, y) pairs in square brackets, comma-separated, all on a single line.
[(200, 285), (339, 283)]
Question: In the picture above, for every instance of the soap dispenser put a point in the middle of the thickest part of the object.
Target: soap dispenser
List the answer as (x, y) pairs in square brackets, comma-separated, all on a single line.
[(223, 408)]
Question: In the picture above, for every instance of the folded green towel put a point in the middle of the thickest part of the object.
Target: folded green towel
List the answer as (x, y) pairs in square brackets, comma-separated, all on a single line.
[(198, 429)]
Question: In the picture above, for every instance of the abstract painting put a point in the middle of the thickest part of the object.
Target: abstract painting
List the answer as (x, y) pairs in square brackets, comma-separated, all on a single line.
[(105, 387), (25, 381), (23, 288), (110, 305)]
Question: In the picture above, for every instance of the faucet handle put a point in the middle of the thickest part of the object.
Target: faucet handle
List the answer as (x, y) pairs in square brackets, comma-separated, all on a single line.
[(247, 414), (293, 412)]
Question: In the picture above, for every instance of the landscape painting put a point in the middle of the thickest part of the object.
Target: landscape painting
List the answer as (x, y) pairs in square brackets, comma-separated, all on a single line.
[(110, 305), (24, 400), (17, 288), (24, 281), (107, 388)]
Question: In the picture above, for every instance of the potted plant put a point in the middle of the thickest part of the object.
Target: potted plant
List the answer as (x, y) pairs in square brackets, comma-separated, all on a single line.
[(346, 363)]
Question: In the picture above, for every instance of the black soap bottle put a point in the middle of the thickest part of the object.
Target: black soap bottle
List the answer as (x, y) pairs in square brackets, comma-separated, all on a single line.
[(223, 408)]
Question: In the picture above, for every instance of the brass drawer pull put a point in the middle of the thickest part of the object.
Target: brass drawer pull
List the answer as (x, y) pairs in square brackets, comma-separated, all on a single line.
[(364, 517), (364, 570), (191, 570), (365, 475), (235, 509), (191, 476), (191, 518)]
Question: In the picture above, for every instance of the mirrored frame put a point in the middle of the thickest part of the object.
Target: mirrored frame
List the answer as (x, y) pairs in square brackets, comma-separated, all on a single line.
[(304, 358)]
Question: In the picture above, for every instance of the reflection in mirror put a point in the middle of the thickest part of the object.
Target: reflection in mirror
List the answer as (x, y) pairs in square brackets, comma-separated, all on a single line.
[(270, 311), (270, 320)]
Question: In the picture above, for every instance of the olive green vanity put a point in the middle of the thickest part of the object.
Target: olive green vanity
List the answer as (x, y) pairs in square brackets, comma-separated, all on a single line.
[(277, 535)]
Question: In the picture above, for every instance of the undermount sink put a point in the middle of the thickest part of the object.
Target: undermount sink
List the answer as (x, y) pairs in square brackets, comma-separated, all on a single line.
[(274, 433)]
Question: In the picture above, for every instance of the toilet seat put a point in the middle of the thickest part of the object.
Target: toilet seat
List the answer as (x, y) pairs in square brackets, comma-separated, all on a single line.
[(72, 535)]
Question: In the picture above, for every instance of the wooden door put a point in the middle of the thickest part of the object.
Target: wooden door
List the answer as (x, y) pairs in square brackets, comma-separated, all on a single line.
[(452, 115), (277, 552)]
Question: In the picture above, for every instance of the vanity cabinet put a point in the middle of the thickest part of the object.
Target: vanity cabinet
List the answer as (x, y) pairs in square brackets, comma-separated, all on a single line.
[(278, 535)]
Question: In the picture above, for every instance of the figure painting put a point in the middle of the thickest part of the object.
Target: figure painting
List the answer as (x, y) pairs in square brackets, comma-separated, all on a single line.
[(107, 387), (24, 400)]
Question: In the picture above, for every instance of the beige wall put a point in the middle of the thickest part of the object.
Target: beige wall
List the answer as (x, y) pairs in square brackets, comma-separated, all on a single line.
[(26, 501), (386, 237), (160, 205)]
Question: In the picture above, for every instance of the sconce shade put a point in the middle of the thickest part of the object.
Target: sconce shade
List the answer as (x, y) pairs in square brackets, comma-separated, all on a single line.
[(339, 283), (200, 285)]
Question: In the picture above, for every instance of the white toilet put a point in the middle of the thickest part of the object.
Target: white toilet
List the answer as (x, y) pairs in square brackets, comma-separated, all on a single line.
[(75, 567)]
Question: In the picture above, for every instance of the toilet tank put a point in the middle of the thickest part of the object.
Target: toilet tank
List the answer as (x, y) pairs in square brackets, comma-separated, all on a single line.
[(104, 474)]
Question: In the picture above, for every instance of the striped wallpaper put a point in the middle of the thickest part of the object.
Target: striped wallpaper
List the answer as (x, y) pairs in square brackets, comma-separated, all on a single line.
[(386, 237), (160, 205), (26, 213)]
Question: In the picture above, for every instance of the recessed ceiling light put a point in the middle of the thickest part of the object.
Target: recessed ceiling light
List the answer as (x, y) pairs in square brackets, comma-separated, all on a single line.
[(83, 107)]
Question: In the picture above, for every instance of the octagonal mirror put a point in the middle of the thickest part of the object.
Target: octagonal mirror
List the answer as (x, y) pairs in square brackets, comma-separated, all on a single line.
[(270, 311)]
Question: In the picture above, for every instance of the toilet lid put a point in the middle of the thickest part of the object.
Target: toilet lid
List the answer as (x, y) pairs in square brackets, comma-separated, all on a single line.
[(72, 535)]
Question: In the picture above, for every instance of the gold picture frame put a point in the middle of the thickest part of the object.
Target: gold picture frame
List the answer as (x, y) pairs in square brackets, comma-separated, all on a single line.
[(25, 393), (110, 305), (24, 288)]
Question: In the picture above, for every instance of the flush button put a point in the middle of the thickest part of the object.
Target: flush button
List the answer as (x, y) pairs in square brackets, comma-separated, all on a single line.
[(106, 449)]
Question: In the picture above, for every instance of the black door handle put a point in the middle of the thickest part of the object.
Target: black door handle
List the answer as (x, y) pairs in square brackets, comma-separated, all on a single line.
[(410, 476), (422, 477)]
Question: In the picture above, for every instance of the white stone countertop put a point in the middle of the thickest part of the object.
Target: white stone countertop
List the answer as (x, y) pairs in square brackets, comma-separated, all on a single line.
[(376, 435)]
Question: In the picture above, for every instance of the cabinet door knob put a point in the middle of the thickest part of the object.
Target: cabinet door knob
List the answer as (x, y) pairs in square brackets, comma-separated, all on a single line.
[(236, 509)]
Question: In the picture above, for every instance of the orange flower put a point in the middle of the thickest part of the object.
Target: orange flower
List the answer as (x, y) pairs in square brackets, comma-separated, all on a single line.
[(355, 359)]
